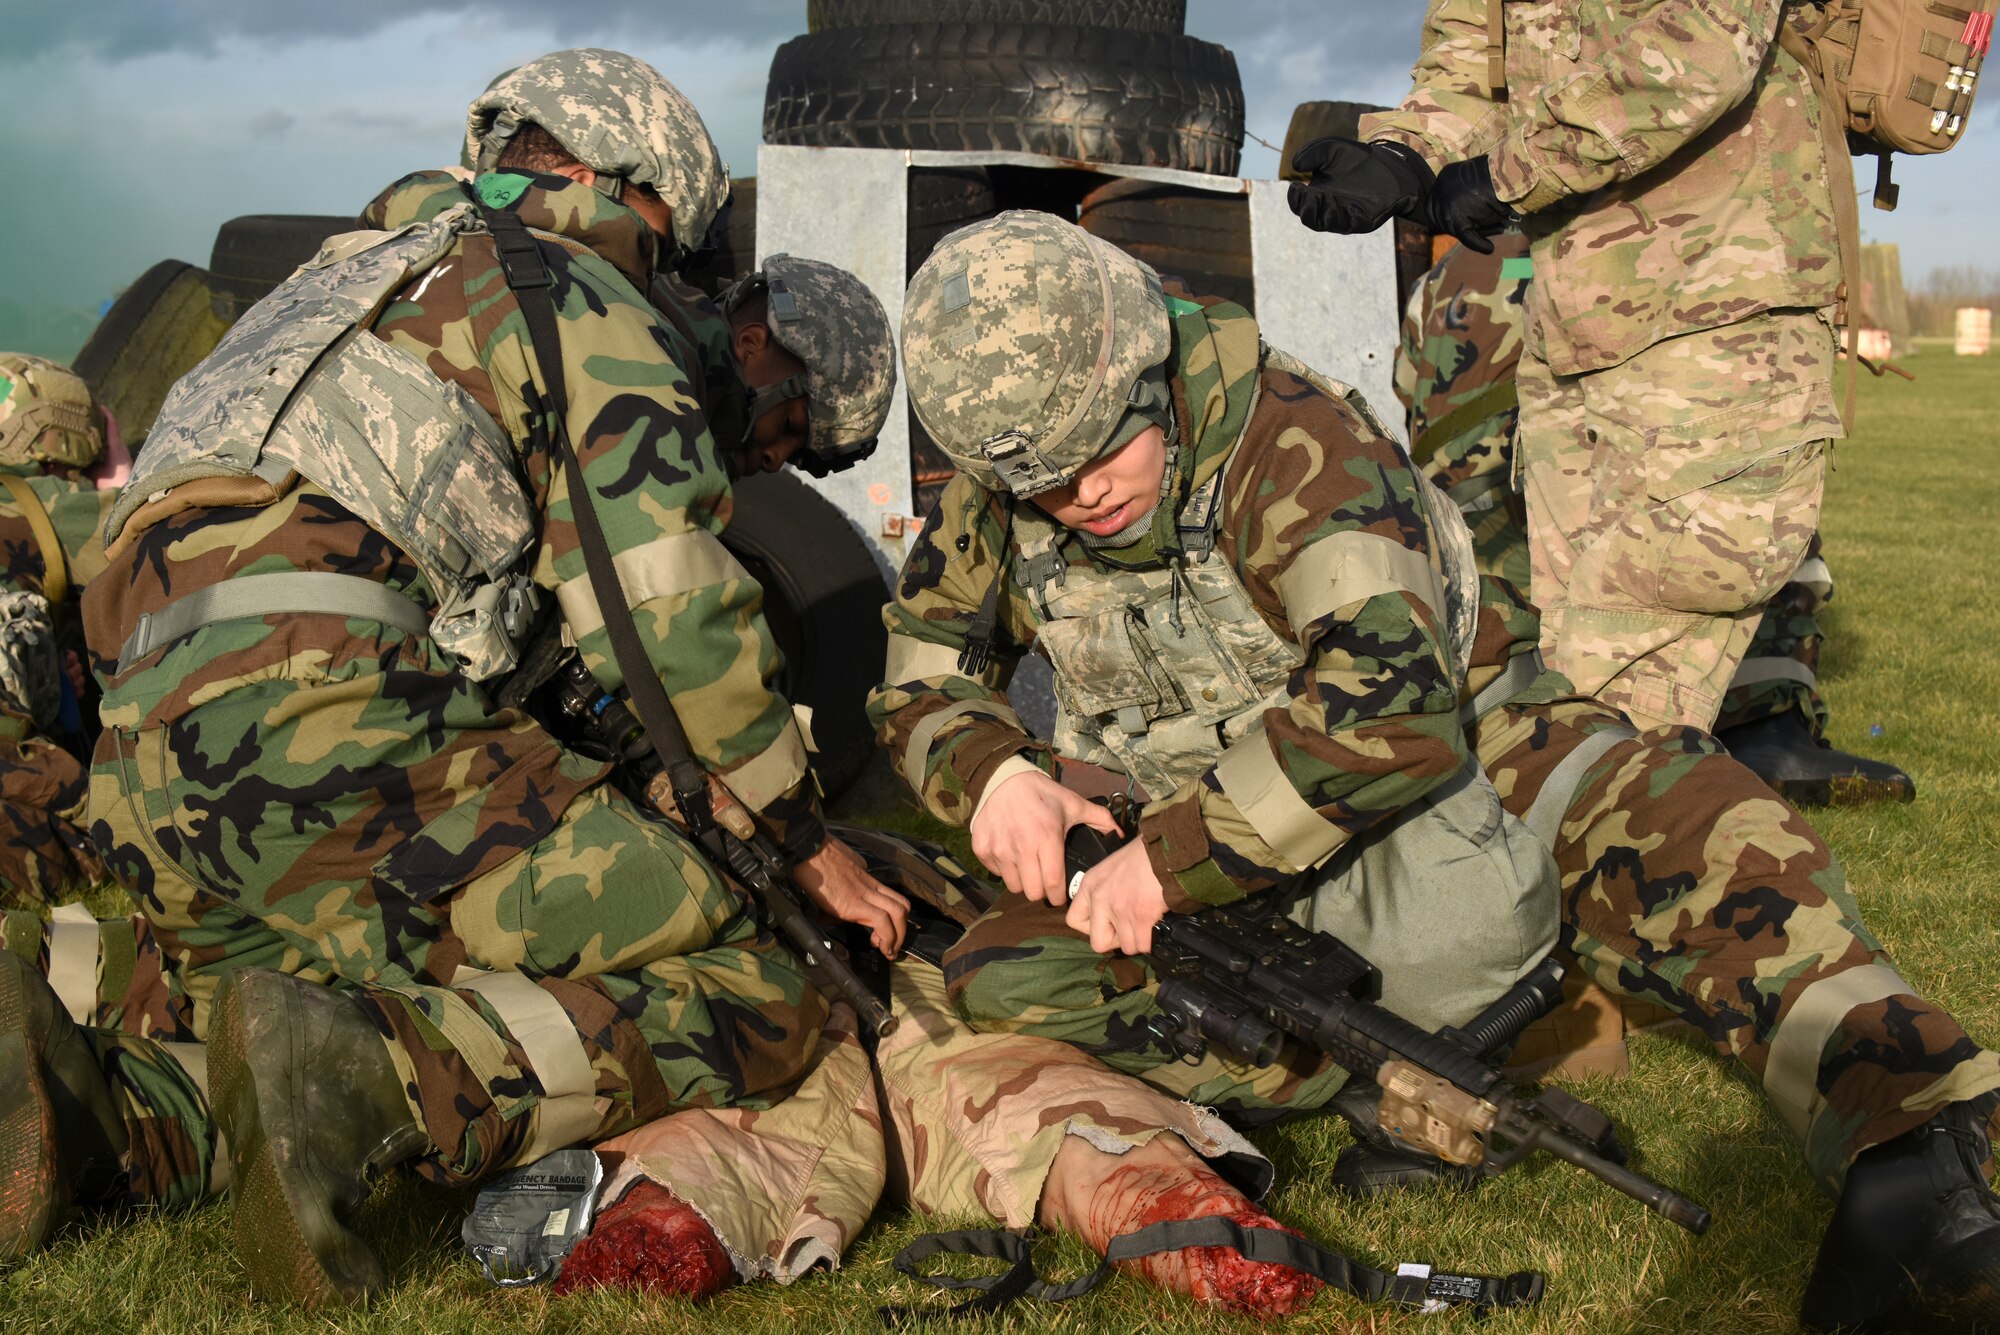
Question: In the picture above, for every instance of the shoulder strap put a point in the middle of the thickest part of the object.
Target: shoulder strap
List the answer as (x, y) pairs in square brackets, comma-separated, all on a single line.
[(55, 566), (528, 277)]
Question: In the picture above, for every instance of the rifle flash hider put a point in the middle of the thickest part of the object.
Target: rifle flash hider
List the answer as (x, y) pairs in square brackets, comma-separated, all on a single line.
[(1429, 1113)]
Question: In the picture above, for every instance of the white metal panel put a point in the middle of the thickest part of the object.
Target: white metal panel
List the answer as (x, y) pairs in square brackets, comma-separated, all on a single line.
[(1328, 300), (848, 206)]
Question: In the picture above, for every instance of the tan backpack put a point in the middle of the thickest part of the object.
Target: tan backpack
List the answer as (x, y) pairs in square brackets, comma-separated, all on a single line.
[(1898, 74), (1893, 76)]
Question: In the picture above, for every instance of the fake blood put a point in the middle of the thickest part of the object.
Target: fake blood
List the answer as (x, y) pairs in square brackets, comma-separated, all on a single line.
[(653, 1240), (1133, 1198)]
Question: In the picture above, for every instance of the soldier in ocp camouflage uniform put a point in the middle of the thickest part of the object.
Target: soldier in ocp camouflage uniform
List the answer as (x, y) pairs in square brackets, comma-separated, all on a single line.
[(1462, 336), (299, 794), (1670, 167), (51, 432), (1256, 610)]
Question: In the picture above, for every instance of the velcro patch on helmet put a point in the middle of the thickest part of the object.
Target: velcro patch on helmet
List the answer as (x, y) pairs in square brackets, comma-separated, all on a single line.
[(955, 293)]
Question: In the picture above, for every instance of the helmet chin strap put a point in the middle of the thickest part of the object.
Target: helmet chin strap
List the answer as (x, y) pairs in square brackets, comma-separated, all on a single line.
[(769, 397)]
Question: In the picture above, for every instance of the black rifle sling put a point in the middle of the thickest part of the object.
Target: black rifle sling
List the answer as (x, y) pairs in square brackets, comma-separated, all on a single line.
[(529, 279), (1411, 1286)]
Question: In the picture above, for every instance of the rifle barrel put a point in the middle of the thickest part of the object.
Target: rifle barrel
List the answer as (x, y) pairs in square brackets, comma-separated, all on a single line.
[(1659, 1199)]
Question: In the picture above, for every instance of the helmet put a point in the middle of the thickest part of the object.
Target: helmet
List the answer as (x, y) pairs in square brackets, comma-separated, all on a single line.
[(828, 319), (47, 415), (1027, 343), (619, 118)]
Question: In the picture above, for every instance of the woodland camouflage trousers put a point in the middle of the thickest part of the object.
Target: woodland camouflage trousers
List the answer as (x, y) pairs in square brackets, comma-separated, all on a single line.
[(651, 984), (1685, 882), (965, 1125), (43, 848)]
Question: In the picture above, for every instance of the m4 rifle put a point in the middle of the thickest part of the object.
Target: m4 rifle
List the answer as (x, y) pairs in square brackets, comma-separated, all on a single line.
[(1242, 977)]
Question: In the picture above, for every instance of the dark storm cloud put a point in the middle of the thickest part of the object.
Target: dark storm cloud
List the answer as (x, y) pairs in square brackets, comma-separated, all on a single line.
[(122, 29), (1354, 36)]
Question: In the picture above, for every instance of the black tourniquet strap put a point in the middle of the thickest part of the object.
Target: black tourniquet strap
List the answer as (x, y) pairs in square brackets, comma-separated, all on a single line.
[(1411, 1286)]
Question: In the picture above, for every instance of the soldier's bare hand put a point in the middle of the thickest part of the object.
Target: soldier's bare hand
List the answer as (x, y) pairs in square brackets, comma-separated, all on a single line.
[(836, 880), (1019, 831), (1119, 902)]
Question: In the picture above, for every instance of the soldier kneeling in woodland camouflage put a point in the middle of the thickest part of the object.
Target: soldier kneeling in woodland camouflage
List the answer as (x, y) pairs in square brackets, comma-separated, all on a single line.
[(323, 586), (1258, 611)]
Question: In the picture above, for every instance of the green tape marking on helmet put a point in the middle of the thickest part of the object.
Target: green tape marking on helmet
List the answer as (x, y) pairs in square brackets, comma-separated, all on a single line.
[(1177, 307), (1517, 268), (6, 388), (498, 190)]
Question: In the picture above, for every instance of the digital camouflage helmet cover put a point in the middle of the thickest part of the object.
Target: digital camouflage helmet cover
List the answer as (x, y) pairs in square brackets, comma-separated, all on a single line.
[(1028, 343), (616, 115), (829, 320)]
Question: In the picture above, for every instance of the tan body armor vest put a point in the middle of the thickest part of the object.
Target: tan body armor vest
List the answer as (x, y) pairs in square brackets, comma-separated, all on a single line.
[(299, 387), (1162, 674)]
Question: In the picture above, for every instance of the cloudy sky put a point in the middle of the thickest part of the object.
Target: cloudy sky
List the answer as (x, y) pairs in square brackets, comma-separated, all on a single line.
[(129, 129)]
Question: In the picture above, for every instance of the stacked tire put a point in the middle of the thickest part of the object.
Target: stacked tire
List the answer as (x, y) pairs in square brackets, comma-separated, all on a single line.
[(1090, 80), (255, 253), (175, 314), (1196, 236), (157, 330)]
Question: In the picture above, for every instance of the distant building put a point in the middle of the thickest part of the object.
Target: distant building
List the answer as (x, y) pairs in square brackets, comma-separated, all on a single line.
[(1884, 305)]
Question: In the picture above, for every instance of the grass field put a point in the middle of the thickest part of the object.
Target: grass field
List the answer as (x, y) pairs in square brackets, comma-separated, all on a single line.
[(1914, 544)]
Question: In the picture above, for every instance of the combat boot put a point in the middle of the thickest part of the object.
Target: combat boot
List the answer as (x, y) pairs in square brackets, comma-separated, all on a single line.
[(314, 1112), (61, 1139), (1915, 1240), (1806, 772)]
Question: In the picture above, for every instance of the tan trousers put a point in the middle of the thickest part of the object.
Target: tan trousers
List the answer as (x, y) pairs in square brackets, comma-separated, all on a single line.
[(957, 1123), (1668, 498)]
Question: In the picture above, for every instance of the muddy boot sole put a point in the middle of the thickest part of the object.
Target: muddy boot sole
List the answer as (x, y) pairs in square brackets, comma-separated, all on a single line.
[(30, 1189), (1844, 790), (287, 1228)]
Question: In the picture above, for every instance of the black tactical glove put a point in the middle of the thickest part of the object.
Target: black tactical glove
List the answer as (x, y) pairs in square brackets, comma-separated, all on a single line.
[(1463, 204), (1356, 187)]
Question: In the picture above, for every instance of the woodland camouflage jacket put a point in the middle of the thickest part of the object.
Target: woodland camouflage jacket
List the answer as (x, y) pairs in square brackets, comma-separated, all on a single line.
[(1372, 720), (712, 375), (661, 493), (1668, 156), (1455, 366)]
